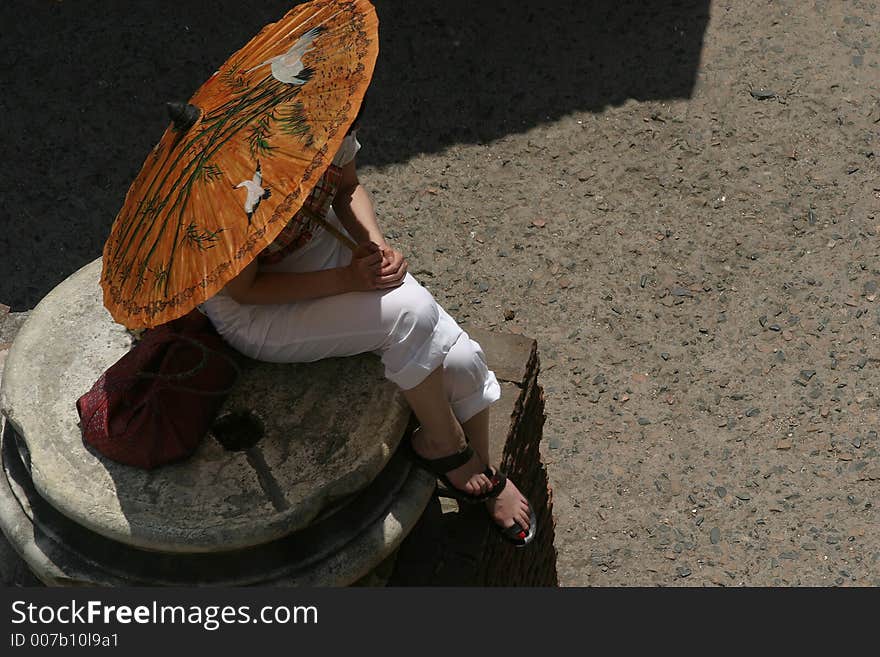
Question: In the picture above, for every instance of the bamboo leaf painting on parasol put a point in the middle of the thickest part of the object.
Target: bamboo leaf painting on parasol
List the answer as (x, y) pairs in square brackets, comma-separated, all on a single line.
[(238, 161)]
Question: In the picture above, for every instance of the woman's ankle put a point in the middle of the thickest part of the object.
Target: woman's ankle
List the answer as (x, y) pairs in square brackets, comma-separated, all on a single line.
[(431, 444)]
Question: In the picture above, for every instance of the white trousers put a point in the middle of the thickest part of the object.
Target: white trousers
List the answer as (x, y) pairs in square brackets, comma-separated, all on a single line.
[(405, 326)]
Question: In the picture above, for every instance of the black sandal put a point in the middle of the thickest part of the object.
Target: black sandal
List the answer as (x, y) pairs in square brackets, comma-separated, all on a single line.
[(515, 534), (439, 468)]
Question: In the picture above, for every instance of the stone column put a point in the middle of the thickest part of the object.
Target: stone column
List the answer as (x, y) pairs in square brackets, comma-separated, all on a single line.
[(455, 546)]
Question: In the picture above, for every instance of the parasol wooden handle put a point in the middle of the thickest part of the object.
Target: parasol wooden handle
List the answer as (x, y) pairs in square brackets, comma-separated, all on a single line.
[(345, 239)]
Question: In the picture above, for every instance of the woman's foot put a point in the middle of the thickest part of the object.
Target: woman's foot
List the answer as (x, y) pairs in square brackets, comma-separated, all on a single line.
[(509, 508), (468, 478)]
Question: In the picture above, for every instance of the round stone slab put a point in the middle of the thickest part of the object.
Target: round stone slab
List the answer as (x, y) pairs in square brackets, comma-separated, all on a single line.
[(336, 551), (329, 429)]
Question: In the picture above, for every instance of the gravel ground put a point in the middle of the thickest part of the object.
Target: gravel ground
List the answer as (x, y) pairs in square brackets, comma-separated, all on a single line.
[(681, 205)]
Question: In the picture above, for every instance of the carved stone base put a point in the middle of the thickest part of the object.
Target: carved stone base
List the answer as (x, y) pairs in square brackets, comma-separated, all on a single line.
[(339, 549)]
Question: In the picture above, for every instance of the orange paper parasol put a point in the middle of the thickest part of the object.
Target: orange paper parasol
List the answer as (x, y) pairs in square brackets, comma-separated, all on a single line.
[(238, 161)]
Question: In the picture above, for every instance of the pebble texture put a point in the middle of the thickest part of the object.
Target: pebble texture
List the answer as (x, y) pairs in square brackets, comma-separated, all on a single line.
[(330, 427)]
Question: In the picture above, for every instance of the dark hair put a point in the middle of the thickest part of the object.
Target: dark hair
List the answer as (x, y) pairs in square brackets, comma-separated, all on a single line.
[(357, 119)]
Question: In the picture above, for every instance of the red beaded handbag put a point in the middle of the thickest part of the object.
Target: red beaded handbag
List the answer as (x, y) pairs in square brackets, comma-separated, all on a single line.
[(156, 403)]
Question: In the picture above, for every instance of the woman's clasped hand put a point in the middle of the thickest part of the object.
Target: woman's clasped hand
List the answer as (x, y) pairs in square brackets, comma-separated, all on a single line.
[(374, 267)]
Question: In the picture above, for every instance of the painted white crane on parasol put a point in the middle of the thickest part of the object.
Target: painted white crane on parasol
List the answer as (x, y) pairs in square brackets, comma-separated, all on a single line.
[(255, 192), (287, 67)]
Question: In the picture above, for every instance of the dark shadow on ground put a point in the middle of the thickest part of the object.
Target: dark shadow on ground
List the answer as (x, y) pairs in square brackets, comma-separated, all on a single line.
[(458, 71), (85, 84)]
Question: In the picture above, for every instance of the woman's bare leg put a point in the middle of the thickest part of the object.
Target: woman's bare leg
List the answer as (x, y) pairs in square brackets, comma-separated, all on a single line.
[(477, 431), (441, 434)]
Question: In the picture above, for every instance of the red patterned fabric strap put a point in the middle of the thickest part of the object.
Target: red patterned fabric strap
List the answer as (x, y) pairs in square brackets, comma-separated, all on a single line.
[(302, 226)]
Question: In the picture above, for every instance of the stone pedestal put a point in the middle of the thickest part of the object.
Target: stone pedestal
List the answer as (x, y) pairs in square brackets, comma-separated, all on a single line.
[(317, 499)]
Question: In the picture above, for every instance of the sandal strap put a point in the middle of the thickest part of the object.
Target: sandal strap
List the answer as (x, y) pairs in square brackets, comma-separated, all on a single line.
[(515, 533), (446, 463), (498, 479)]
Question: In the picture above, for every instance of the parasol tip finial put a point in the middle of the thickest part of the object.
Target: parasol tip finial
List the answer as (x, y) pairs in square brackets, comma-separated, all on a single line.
[(183, 115)]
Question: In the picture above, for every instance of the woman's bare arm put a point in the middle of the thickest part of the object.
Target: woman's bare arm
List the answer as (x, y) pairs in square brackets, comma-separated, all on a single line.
[(355, 209), (255, 287)]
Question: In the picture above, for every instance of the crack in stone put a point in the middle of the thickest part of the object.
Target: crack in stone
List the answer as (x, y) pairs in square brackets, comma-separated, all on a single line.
[(267, 481)]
